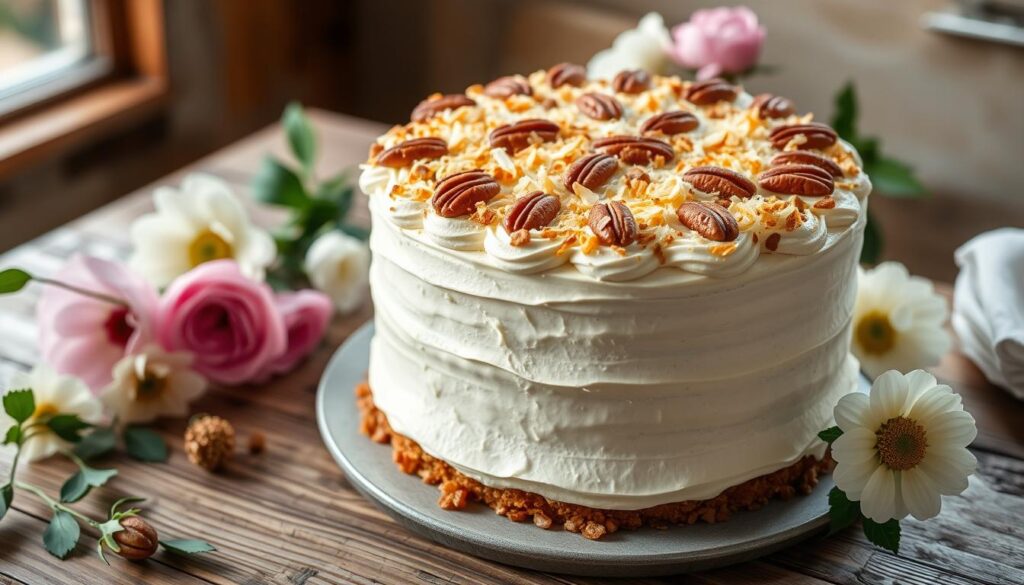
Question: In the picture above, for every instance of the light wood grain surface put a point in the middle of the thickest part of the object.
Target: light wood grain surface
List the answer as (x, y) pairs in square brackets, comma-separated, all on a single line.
[(288, 516)]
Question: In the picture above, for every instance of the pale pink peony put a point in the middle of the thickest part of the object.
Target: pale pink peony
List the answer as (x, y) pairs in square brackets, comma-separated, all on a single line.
[(229, 322), (306, 314), (718, 41), (83, 336)]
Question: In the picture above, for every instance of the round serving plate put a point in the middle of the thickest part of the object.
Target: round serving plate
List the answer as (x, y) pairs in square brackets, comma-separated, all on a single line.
[(477, 530)]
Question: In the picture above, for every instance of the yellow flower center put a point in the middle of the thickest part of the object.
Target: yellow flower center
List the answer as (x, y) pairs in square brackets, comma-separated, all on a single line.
[(875, 333), (208, 246), (45, 409), (150, 380), (901, 443)]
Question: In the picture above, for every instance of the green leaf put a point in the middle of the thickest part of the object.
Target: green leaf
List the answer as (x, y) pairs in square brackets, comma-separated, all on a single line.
[(13, 435), (276, 184), (20, 404), (300, 134), (61, 535), (355, 231), (13, 280), (885, 535), (871, 253), (844, 120), (97, 443), (831, 434), (842, 512), (68, 426), (869, 150), (187, 546), (145, 444), (6, 497), (335, 188), (894, 178), (79, 484)]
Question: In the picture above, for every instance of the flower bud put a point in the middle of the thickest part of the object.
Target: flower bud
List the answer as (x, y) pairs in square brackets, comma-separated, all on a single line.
[(138, 540)]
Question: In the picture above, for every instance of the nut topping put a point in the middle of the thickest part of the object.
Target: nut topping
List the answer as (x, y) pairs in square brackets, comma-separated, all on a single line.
[(508, 86), (458, 194), (635, 150), (433, 106), (536, 210), (798, 179), (710, 91), (599, 106), (802, 157), (591, 171), (517, 136), (410, 151), (710, 220), (613, 223), (567, 73), (669, 123), (631, 81), (716, 180), (772, 106), (815, 136)]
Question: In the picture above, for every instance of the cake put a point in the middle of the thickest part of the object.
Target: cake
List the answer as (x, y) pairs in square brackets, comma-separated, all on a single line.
[(601, 304)]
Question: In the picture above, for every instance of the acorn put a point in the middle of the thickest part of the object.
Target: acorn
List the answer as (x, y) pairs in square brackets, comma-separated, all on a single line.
[(209, 442), (138, 540)]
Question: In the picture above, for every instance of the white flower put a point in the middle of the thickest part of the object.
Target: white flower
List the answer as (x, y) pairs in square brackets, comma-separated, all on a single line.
[(53, 394), (903, 447), (338, 265), (201, 221), (151, 384), (644, 47), (898, 321)]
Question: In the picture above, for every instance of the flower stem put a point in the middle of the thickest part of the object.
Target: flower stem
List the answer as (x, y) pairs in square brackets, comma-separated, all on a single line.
[(85, 292), (54, 504)]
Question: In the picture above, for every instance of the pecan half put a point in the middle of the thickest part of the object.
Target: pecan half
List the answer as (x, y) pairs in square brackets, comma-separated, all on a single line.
[(631, 81), (710, 91), (635, 150), (772, 106), (669, 123), (816, 135), (410, 151), (431, 107), (519, 135), (536, 210), (613, 223), (507, 86), (797, 179), (710, 220), (567, 73), (591, 171), (599, 106), (458, 194), (716, 180), (801, 157)]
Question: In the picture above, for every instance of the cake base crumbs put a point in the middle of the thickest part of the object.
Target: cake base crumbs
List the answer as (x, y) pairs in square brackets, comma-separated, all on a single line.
[(458, 490)]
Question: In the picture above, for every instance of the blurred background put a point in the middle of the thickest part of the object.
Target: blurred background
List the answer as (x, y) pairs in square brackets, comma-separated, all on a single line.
[(100, 97)]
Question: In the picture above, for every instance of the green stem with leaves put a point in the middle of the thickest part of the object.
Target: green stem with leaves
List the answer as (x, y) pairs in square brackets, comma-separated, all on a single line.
[(54, 504)]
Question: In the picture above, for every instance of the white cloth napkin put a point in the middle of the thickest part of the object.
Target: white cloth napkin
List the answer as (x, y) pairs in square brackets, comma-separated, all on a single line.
[(988, 306)]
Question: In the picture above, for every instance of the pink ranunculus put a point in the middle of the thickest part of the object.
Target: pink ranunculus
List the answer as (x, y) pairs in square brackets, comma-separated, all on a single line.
[(229, 322), (84, 336), (717, 41), (306, 314)]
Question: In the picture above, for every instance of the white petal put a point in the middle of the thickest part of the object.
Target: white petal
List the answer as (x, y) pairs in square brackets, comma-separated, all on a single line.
[(949, 470), (888, 395), (919, 382), (878, 500), (855, 446), (852, 477), (852, 411), (934, 402), (951, 429), (920, 494)]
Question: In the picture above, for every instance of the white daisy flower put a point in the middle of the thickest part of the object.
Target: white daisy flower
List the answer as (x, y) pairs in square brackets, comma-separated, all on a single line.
[(201, 221), (152, 384), (903, 446), (644, 47), (898, 321), (54, 393), (338, 265)]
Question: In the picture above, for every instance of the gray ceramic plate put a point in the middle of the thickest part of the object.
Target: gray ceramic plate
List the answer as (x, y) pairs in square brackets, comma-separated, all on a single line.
[(479, 531)]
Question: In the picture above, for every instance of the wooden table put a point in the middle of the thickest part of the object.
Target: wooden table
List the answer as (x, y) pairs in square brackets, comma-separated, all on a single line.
[(289, 516)]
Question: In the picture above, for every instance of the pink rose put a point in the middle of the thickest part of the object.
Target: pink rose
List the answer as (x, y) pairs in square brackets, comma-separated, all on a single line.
[(84, 336), (229, 322), (717, 41), (306, 314)]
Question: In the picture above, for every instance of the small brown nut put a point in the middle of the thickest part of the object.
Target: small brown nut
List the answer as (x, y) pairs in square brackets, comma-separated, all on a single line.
[(825, 203), (716, 180), (591, 171), (458, 194), (636, 150), (768, 105), (637, 174), (410, 151), (796, 179), (613, 223), (599, 106), (631, 81), (802, 157), (710, 220), (257, 443), (772, 241), (670, 123), (138, 540), (508, 86), (518, 135), (532, 211), (710, 91), (433, 106), (815, 136), (567, 74)]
